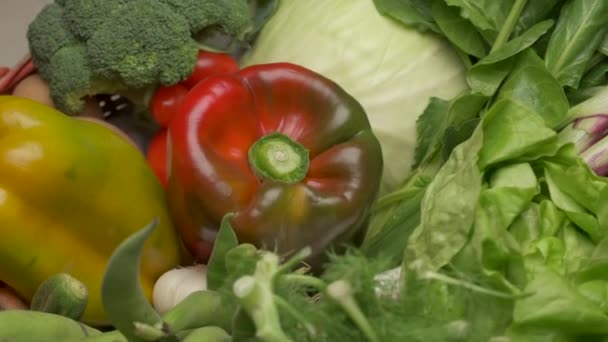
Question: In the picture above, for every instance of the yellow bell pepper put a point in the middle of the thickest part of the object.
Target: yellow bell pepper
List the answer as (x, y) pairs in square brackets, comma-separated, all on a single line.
[(70, 192)]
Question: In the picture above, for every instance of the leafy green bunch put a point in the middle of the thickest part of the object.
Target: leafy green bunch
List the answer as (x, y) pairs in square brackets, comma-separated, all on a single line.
[(88, 47), (502, 224)]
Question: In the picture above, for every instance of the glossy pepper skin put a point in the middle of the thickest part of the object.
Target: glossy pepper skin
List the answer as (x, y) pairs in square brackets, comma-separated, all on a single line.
[(166, 101), (70, 192), (317, 131)]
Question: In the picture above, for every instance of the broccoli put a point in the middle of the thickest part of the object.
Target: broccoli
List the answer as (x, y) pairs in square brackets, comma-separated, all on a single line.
[(85, 16), (163, 51), (231, 16), (72, 80), (47, 35), (89, 47)]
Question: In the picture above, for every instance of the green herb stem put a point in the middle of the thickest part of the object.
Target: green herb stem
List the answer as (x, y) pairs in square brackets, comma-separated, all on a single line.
[(256, 296), (283, 304), (340, 291), (509, 25), (305, 280), (470, 286), (296, 259)]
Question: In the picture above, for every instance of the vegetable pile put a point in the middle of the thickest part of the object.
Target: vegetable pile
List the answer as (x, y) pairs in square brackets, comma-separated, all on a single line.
[(88, 47), (350, 170)]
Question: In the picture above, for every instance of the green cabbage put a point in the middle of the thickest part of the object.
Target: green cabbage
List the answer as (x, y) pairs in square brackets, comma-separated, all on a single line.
[(392, 70)]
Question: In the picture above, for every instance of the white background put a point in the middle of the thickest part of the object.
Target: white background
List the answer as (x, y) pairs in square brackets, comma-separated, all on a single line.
[(14, 18)]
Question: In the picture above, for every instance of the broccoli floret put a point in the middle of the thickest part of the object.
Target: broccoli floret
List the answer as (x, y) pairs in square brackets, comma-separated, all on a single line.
[(84, 17), (153, 44), (231, 17), (70, 79), (48, 34)]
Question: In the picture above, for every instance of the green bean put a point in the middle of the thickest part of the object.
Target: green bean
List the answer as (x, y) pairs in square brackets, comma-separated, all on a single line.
[(110, 336), (122, 296), (199, 309), (34, 326), (208, 334)]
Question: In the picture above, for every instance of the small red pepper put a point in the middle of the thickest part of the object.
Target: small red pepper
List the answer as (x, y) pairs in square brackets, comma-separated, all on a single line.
[(166, 101), (286, 150), (210, 63), (157, 155)]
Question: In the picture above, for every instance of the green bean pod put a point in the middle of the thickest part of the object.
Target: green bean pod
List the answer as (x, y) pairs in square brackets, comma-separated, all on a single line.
[(208, 334), (37, 326), (109, 336), (198, 309)]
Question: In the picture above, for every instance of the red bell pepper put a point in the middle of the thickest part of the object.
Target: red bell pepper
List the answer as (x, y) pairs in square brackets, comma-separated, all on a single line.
[(166, 100), (286, 150)]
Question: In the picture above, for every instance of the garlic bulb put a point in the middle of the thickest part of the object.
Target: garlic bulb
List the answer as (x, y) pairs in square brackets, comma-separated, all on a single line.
[(176, 284)]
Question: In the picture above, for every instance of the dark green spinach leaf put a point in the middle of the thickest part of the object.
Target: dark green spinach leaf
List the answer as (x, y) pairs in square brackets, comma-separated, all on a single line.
[(580, 29), (447, 210), (533, 86), (604, 45), (428, 128), (596, 77), (486, 15), (486, 76), (515, 132), (416, 13), (534, 12), (458, 30)]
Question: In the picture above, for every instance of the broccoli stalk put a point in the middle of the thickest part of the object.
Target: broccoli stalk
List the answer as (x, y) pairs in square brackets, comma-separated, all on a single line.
[(126, 47)]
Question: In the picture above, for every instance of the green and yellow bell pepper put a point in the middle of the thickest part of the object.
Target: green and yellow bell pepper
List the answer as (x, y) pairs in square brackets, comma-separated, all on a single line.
[(70, 192)]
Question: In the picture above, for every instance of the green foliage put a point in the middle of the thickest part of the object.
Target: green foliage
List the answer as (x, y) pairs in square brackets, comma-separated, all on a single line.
[(507, 236)]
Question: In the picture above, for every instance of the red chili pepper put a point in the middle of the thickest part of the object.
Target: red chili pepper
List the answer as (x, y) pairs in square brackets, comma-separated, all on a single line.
[(286, 150), (157, 155), (211, 63), (166, 101)]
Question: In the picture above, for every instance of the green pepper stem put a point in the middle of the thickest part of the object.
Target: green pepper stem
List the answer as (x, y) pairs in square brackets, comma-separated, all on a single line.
[(305, 280), (276, 157)]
